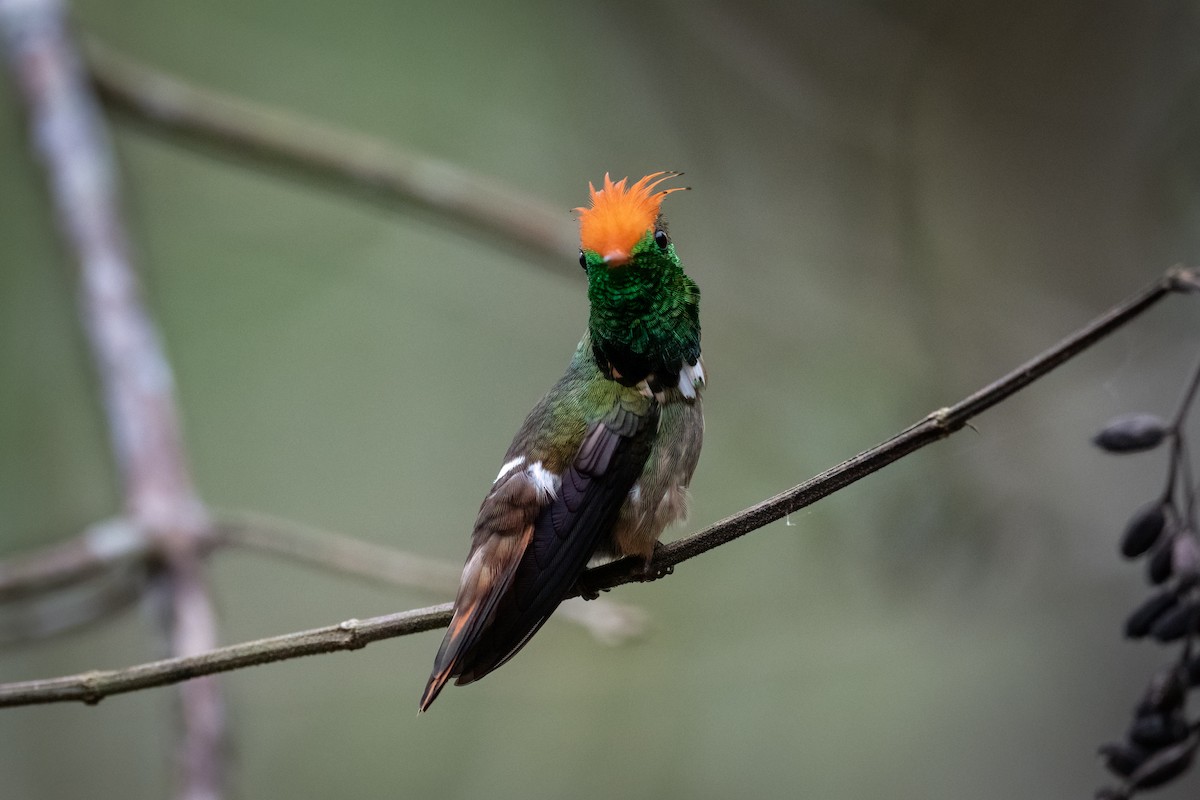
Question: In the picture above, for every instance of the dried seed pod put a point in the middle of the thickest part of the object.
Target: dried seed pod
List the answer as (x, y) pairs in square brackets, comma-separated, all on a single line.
[(1185, 556), (1158, 568), (1166, 692), (1148, 613), (1143, 530), (1164, 767), (1156, 731), (1122, 758), (1131, 433), (1175, 624)]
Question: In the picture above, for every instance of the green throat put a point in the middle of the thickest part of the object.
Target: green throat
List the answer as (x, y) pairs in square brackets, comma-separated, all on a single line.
[(645, 314)]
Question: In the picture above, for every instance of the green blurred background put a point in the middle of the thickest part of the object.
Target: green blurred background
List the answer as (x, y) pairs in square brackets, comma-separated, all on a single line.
[(894, 202)]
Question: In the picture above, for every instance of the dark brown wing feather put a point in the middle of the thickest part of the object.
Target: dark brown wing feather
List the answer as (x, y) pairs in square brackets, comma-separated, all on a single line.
[(532, 553)]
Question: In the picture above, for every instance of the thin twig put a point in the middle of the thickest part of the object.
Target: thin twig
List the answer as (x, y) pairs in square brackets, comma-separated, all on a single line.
[(343, 160), (1185, 402), (102, 547), (201, 751), (91, 687), (331, 551), (1181, 460), (66, 609)]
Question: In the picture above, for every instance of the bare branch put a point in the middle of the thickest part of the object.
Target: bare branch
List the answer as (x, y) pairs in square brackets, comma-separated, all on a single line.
[(103, 546), (93, 686), (200, 755), (333, 552), (69, 136), (346, 161), (138, 386), (69, 608)]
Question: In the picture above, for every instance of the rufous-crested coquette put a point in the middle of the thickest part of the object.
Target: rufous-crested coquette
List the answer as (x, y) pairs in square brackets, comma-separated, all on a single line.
[(602, 463)]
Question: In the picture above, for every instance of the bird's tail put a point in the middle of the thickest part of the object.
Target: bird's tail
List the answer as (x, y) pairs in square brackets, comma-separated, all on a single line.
[(464, 628), (432, 689)]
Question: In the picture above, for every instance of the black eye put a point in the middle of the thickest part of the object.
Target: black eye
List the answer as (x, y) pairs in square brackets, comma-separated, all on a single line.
[(660, 239), (583, 261)]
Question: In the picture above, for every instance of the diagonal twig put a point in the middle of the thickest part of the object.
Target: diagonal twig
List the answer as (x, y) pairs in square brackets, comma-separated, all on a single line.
[(93, 686), (937, 425)]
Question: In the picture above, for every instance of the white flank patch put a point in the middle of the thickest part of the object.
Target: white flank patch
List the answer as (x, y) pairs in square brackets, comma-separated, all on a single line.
[(545, 481), (635, 494), (691, 377), (509, 467)]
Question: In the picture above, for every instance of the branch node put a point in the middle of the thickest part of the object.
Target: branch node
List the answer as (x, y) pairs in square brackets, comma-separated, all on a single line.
[(1183, 279), (351, 628), (940, 419), (90, 689)]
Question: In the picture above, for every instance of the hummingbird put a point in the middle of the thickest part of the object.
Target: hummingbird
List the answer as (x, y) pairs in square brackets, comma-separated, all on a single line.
[(602, 463)]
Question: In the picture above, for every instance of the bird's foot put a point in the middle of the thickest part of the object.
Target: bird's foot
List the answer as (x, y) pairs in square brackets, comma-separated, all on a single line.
[(629, 566), (586, 590), (652, 572)]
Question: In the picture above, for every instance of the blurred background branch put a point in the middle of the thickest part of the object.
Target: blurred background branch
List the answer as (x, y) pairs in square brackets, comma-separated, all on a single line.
[(345, 161), (325, 550), (69, 135), (102, 547), (72, 606)]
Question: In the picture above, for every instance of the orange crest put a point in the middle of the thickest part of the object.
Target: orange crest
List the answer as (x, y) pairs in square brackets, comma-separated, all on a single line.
[(619, 217)]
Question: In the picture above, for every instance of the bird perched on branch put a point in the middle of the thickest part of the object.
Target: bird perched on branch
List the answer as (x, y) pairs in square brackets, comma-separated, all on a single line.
[(602, 464)]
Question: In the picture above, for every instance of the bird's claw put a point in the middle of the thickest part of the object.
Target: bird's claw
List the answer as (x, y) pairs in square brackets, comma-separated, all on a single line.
[(642, 573), (587, 591), (650, 572)]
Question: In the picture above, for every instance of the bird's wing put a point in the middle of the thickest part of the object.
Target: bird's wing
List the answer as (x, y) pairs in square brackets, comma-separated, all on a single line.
[(533, 538)]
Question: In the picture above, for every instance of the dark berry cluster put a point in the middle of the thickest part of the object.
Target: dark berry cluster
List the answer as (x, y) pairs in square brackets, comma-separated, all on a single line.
[(1162, 740)]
